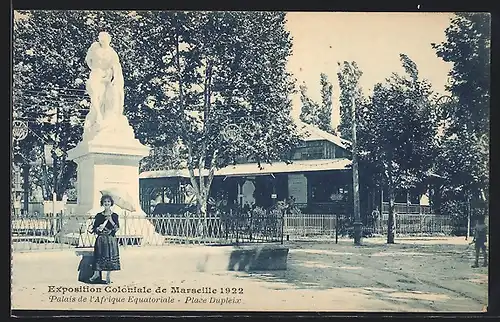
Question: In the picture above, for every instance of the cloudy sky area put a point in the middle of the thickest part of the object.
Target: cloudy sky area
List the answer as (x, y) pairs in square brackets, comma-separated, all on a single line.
[(373, 40)]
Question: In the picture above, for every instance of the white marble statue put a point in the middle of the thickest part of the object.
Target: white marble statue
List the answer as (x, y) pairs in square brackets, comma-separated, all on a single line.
[(105, 87)]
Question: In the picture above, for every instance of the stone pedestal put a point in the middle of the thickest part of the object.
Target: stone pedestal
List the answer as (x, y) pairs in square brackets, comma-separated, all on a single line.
[(109, 158), (104, 164)]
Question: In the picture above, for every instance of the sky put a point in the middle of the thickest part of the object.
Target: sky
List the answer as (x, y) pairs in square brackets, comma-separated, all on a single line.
[(373, 40)]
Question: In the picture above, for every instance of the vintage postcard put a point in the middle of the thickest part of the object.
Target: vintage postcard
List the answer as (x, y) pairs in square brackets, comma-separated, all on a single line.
[(250, 161)]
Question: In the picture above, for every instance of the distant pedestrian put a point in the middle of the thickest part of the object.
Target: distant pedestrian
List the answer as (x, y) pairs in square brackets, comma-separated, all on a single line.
[(479, 241), (106, 252)]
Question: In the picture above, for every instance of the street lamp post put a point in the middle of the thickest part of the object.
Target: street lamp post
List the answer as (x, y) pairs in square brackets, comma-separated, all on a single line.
[(467, 235), (20, 132), (355, 177)]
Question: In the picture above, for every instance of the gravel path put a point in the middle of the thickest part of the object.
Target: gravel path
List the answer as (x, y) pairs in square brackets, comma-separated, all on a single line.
[(413, 275)]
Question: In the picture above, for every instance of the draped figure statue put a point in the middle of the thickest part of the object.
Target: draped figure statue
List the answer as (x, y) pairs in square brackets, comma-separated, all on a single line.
[(105, 86)]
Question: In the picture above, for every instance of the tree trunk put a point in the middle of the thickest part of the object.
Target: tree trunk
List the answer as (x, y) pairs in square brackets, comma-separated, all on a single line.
[(26, 187), (55, 174), (391, 222), (66, 171), (202, 228), (46, 191)]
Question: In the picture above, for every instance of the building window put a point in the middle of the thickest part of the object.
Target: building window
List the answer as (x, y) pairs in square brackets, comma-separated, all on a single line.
[(327, 189), (341, 153), (310, 151), (330, 151)]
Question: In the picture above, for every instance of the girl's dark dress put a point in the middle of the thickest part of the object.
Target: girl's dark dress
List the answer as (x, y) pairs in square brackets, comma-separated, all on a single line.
[(106, 253)]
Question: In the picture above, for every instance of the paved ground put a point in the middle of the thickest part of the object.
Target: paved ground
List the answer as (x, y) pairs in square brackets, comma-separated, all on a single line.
[(412, 275)]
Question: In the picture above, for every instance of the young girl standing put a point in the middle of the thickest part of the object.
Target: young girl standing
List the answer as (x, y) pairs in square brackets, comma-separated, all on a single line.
[(106, 252)]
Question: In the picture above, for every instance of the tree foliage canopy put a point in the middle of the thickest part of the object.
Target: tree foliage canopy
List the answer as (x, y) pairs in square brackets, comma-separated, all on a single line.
[(397, 132), (467, 46), (314, 113), (464, 144), (188, 77), (348, 77)]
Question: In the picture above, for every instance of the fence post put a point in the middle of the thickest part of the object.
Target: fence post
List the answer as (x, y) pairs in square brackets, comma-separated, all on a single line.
[(467, 235), (250, 225), (54, 217), (336, 229), (395, 223), (285, 227), (407, 203), (303, 225), (59, 228), (283, 215), (59, 222), (125, 241), (330, 226), (324, 224), (227, 223), (237, 226), (52, 224)]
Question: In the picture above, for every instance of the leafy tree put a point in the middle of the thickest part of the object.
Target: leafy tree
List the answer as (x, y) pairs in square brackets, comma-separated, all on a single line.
[(397, 134), (325, 113), (368, 177), (231, 70), (348, 76), (467, 46), (309, 109), (318, 114), (49, 82), (150, 78), (189, 76), (464, 157), (169, 156), (49, 91), (464, 164), (217, 83)]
